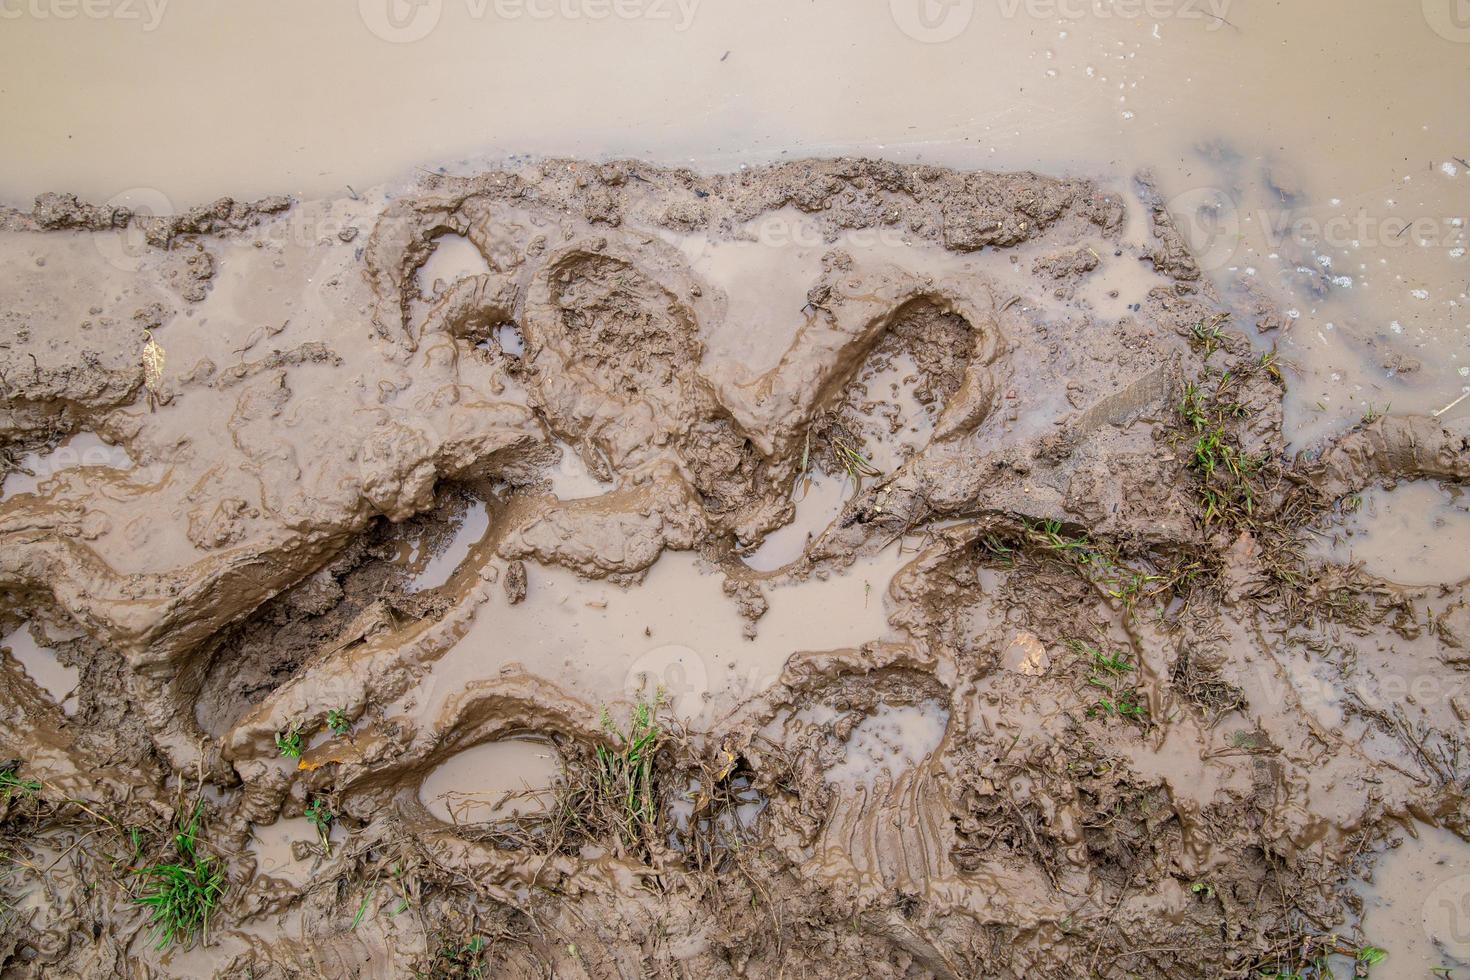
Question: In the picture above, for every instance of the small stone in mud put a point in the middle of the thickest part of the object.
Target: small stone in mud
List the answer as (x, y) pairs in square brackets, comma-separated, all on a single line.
[(152, 316), (347, 234), (1395, 362), (515, 581), (1025, 654)]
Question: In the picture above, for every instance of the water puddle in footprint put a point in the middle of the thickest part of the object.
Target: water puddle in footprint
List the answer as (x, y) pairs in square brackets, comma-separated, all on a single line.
[(1413, 534), (677, 632), (573, 479), (492, 781), (41, 666), (82, 449), (274, 848), (887, 410), (889, 742), (454, 258), (819, 500), (900, 425), (442, 564), (1417, 906), (763, 283), (504, 338)]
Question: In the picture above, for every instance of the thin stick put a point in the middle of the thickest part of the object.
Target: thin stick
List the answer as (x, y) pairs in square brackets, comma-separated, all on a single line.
[(1435, 415)]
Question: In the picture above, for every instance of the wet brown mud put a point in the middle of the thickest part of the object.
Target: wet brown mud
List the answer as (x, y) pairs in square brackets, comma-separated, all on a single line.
[(924, 590)]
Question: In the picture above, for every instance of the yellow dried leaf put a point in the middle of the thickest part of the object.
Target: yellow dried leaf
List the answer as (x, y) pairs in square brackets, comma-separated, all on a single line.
[(153, 358)]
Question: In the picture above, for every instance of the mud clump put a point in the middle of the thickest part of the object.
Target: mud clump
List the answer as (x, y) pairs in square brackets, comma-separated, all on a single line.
[(1119, 718)]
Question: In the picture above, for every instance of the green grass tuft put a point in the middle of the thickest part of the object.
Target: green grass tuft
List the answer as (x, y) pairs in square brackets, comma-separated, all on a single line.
[(1209, 335), (11, 785), (320, 816), (184, 894), (625, 772), (1108, 673), (854, 462)]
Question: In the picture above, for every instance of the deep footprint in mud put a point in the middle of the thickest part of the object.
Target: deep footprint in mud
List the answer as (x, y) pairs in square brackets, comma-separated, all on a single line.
[(522, 566)]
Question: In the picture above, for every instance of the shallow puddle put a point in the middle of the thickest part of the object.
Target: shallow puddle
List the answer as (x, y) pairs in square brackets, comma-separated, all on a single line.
[(902, 425), (1413, 534), (274, 848), (448, 557), (454, 258), (677, 633), (82, 449), (1418, 905), (819, 501), (573, 479), (889, 742), (41, 666), (492, 781)]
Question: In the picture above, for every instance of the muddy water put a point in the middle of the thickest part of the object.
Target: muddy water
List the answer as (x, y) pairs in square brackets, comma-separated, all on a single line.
[(276, 848), (676, 633), (1418, 905), (490, 781), (1413, 533), (82, 449), (1314, 152), (819, 500), (42, 667), (435, 571), (889, 742)]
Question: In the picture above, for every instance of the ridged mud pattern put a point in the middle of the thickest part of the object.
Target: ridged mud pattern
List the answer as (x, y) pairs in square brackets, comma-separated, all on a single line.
[(1106, 718)]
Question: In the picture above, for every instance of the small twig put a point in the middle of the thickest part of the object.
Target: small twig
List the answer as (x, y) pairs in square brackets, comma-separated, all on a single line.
[(1435, 415)]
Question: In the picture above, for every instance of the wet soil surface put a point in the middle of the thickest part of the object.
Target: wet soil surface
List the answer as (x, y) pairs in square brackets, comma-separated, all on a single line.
[(831, 569)]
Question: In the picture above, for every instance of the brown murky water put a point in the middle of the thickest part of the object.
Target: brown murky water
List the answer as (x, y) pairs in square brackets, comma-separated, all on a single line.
[(1310, 152), (470, 462)]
